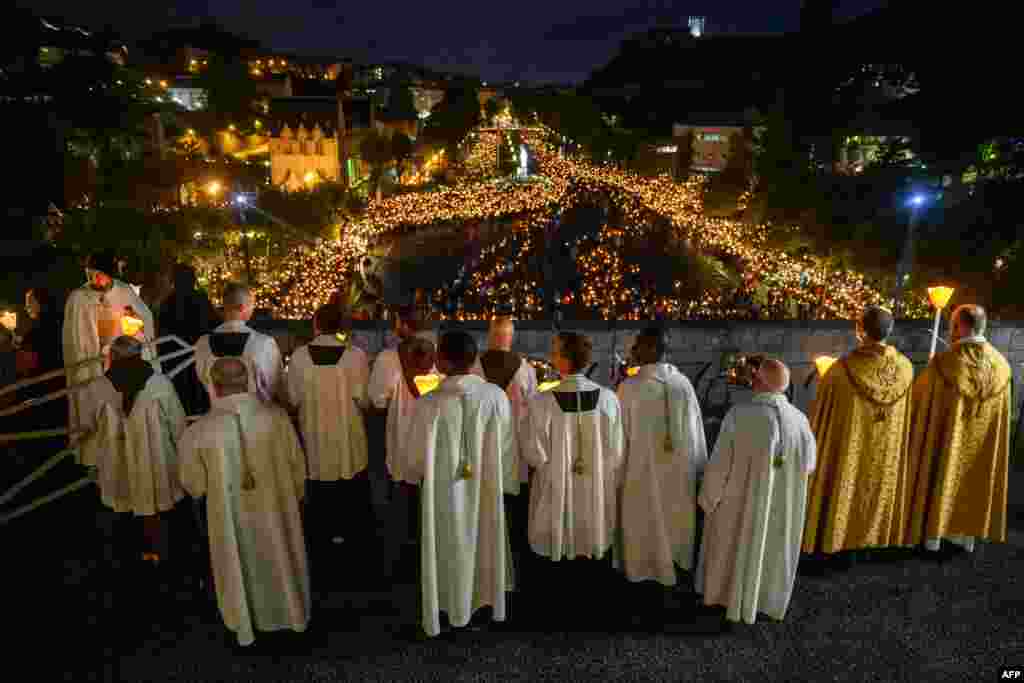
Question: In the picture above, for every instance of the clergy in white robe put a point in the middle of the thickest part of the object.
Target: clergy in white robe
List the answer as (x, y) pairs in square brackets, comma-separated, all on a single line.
[(461, 438), (573, 438), (92, 320), (235, 339), (754, 497), (135, 423), (244, 457), (665, 455), (514, 374), (326, 382)]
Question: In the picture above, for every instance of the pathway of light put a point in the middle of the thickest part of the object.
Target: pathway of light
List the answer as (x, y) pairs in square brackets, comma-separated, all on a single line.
[(309, 277)]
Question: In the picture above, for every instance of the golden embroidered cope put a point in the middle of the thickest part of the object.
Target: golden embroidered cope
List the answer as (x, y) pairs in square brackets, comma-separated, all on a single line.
[(960, 445), (861, 421)]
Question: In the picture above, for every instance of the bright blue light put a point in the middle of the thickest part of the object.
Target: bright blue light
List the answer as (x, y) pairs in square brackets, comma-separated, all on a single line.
[(241, 200), (917, 200)]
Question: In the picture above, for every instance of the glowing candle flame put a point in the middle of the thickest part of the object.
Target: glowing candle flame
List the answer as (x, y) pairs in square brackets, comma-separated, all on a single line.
[(9, 319), (823, 363), (548, 386), (131, 326), (940, 296), (427, 383)]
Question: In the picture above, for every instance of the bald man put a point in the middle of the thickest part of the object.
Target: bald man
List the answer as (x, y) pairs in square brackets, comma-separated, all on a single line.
[(754, 497), (244, 457), (500, 366), (960, 441), (235, 339)]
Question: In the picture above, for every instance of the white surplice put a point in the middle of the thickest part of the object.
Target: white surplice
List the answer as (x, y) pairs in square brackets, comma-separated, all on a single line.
[(573, 515), (331, 421), (388, 389), (81, 340), (262, 359), (754, 496), (520, 390), (465, 556), (136, 455), (257, 545), (658, 504)]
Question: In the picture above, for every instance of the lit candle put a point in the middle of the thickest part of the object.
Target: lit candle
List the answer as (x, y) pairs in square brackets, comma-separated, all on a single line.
[(548, 386), (9, 319), (131, 326), (823, 363), (427, 383)]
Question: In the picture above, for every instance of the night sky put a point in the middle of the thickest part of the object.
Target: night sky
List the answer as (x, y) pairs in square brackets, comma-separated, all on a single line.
[(538, 41)]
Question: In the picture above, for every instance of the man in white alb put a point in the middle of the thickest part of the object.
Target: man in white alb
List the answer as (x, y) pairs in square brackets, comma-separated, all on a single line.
[(326, 382), (93, 319), (244, 457), (461, 438), (235, 339), (135, 423), (665, 458), (574, 440), (754, 497), (510, 371)]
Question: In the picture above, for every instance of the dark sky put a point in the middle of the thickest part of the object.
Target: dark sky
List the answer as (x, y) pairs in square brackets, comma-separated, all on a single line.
[(530, 40)]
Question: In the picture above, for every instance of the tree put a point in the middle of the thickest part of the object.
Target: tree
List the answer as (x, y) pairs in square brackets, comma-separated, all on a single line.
[(684, 156), (401, 148), (401, 105), (231, 93), (457, 114), (375, 149), (491, 108)]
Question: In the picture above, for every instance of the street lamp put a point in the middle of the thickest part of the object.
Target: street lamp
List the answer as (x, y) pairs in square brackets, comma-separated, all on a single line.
[(939, 297), (917, 200)]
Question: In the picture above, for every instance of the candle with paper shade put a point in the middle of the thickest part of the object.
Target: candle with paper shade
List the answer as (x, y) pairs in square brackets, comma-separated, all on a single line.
[(131, 326), (939, 297), (631, 372), (427, 383), (823, 363), (9, 319), (548, 386)]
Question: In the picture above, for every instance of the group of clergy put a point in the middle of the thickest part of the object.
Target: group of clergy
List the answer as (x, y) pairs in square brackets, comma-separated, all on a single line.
[(492, 469)]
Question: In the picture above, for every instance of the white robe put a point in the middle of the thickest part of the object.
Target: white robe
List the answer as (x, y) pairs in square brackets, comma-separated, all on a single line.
[(81, 338), (573, 515), (754, 510), (658, 504), (465, 556), (262, 359), (521, 389), (257, 546), (136, 455), (388, 389), (332, 424)]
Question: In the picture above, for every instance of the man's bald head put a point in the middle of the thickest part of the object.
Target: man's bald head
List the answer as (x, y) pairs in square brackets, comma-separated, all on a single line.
[(501, 332), (969, 320), (772, 377), (230, 376)]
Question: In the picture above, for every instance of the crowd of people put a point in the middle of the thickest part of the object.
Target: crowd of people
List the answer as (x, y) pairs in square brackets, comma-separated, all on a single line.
[(502, 489)]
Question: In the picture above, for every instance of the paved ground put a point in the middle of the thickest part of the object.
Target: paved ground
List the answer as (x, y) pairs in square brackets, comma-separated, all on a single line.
[(898, 617)]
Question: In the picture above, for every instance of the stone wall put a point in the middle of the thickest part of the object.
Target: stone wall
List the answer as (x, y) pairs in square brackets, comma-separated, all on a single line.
[(694, 344)]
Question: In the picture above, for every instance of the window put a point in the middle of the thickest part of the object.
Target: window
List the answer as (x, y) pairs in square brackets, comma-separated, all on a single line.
[(711, 137)]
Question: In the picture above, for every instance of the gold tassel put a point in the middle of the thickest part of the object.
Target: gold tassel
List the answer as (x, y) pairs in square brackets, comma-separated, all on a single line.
[(667, 445), (248, 483), (577, 467), (881, 415), (778, 461), (466, 471)]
